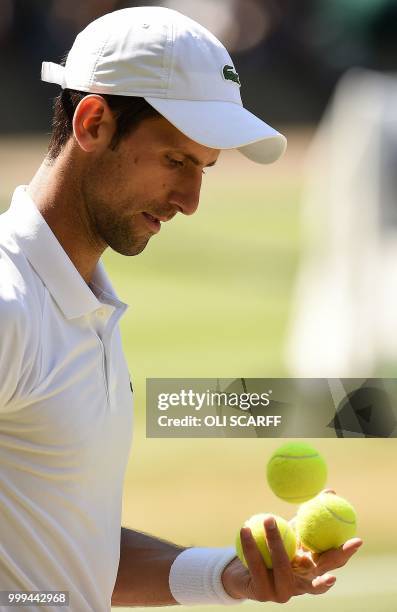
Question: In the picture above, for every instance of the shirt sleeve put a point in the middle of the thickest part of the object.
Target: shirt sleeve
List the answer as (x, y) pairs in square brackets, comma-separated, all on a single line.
[(196, 576)]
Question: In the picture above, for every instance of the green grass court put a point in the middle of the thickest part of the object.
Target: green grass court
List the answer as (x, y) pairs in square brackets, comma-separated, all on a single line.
[(210, 297)]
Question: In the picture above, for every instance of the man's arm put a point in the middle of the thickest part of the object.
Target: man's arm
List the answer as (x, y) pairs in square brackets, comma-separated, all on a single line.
[(144, 568), (145, 563)]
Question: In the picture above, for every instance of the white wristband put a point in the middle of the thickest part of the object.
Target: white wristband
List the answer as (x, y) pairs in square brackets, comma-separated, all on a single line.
[(196, 576)]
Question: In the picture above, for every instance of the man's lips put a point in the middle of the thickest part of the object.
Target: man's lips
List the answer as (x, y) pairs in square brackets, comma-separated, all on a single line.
[(152, 222)]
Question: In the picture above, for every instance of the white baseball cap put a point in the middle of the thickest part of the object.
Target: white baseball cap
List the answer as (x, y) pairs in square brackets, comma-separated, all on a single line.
[(179, 67)]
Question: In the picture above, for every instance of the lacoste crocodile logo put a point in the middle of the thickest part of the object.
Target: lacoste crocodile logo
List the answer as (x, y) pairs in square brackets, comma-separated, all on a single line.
[(230, 74)]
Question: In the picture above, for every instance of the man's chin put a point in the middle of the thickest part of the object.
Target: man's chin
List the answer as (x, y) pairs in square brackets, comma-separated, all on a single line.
[(131, 249)]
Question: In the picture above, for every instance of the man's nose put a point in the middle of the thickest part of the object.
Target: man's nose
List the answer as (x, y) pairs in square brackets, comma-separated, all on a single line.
[(187, 197)]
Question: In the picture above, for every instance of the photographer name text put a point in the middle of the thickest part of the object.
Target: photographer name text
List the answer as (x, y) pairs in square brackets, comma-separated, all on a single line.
[(242, 420)]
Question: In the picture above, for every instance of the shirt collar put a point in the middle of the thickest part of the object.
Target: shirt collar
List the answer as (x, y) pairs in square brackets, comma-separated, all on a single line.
[(68, 288)]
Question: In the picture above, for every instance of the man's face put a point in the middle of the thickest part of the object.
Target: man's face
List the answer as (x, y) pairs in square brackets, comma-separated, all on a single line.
[(154, 173)]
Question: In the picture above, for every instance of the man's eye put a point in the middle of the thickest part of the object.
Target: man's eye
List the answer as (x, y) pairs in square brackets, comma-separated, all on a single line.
[(177, 163)]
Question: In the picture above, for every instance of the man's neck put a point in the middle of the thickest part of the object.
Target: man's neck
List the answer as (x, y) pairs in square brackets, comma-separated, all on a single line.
[(55, 190)]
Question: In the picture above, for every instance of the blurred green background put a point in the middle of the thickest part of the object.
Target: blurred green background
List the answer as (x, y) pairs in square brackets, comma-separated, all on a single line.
[(210, 297)]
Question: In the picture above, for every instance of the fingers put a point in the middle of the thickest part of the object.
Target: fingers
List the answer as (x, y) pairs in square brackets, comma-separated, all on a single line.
[(316, 586), (352, 544), (261, 578), (277, 585), (322, 584), (336, 557), (280, 584), (282, 572)]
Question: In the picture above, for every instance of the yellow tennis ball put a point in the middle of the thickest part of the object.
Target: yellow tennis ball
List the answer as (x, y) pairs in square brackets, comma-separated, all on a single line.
[(296, 472), (325, 522), (255, 523)]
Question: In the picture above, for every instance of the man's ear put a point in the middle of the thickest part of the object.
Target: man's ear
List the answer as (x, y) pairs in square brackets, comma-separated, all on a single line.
[(93, 124)]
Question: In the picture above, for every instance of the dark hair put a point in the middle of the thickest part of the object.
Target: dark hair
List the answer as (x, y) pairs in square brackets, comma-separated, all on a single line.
[(128, 111)]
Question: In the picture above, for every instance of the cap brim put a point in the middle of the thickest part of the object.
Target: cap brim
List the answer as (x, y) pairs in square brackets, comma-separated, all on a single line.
[(223, 125)]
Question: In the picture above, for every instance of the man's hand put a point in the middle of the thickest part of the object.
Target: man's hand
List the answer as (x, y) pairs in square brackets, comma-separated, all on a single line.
[(307, 573)]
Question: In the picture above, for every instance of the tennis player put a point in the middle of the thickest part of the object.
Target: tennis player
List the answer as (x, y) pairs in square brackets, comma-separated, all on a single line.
[(149, 99)]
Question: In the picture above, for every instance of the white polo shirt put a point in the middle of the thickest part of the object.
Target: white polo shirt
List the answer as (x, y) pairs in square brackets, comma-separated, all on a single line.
[(65, 418)]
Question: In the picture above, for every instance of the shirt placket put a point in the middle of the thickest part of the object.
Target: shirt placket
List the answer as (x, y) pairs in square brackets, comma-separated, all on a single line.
[(105, 340)]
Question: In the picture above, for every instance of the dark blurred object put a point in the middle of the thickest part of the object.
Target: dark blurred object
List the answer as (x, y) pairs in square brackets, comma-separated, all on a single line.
[(312, 43), (6, 20), (289, 54), (348, 33), (65, 24)]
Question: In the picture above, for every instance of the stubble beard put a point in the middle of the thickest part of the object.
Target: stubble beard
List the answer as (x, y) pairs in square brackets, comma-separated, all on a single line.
[(118, 225), (120, 232)]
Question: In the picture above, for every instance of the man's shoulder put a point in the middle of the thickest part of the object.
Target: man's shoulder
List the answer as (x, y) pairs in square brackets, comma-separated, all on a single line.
[(21, 291), (17, 308)]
